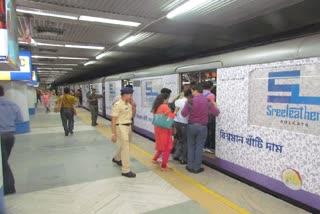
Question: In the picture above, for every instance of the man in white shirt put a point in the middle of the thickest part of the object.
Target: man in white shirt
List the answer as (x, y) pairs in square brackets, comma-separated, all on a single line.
[(180, 125)]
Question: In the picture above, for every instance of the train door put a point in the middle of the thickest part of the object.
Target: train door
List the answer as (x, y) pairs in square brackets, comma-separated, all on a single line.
[(125, 82), (204, 77)]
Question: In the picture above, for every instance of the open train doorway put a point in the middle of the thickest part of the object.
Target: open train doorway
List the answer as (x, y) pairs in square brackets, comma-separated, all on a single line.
[(208, 80)]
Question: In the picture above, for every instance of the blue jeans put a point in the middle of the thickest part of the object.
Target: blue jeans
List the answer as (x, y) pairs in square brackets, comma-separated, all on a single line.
[(196, 137)]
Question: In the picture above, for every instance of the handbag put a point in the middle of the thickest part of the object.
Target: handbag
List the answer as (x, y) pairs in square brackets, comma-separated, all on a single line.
[(57, 107), (162, 121)]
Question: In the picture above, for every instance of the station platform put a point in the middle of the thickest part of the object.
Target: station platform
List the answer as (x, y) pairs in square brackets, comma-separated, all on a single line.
[(58, 174)]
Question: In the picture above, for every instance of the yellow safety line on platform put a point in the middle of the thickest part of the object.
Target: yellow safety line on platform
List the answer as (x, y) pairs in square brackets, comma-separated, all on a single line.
[(202, 199)]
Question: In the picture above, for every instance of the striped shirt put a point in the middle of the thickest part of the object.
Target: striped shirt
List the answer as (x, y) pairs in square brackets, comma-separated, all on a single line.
[(10, 114)]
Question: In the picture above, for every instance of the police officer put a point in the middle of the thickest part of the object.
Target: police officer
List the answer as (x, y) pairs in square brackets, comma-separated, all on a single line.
[(93, 104), (10, 114), (122, 114)]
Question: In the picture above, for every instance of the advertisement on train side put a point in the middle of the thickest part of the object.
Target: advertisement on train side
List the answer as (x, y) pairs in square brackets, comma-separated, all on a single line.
[(145, 92), (269, 124), (288, 97)]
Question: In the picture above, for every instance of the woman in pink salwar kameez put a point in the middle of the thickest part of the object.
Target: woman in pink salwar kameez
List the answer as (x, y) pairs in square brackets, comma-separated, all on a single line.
[(46, 101)]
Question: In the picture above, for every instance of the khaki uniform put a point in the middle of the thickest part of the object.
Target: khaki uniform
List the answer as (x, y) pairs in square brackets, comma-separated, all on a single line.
[(93, 105), (123, 112)]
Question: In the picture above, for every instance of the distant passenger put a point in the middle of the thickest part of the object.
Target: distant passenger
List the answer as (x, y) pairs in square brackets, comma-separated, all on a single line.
[(93, 104), (9, 116), (210, 141), (198, 109), (79, 96), (122, 115), (46, 100), (163, 136), (180, 125)]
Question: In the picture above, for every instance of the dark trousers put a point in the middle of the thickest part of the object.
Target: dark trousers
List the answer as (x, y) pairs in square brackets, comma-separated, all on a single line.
[(196, 138), (67, 118), (94, 114), (180, 139), (7, 142), (211, 136)]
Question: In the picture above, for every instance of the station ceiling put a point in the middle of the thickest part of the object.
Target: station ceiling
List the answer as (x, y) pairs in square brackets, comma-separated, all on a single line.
[(212, 27)]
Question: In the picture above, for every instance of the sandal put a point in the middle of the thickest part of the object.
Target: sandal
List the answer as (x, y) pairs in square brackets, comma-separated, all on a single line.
[(166, 168)]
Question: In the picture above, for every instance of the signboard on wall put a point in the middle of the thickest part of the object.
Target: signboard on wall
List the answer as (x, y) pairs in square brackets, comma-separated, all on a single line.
[(288, 98), (149, 91), (25, 71)]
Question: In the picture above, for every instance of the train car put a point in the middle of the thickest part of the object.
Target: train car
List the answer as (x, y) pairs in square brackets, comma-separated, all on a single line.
[(113, 84), (269, 97), (85, 89), (98, 84)]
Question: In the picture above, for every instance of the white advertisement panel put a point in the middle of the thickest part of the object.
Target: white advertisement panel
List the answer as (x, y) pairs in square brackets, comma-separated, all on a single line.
[(98, 87), (111, 91), (255, 101), (145, 91), (288, 97)]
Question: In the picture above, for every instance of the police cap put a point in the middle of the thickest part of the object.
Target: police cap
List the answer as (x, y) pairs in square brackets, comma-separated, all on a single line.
[(126, 90)]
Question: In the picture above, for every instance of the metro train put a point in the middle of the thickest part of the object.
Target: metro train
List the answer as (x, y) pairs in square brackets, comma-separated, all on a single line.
[(268, 131)]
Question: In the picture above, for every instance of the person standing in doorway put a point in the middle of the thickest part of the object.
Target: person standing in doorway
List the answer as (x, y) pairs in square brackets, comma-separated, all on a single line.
[(122, 114), (9, 116), (198, 109), (93, 105)]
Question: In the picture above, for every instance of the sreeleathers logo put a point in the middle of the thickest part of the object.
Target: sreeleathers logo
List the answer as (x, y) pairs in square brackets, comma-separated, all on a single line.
[(291, 112)]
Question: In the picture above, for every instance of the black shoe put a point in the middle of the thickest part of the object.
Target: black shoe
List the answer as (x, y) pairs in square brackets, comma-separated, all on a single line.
[(129, 175), (176, 159), (183, 162), (8, 191), (198, 170), (188, 169), (71, 132), (66, 133), (93, 124), (119, 163)]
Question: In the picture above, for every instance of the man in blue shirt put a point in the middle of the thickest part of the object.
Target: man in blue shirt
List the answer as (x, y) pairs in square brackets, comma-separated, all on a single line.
[(10, 114)]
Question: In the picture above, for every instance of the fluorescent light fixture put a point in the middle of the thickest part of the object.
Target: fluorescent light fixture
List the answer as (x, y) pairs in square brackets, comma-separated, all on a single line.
[(44, 68), (48, 44), (43, 13), (21, 42), (127, 40), (54, 64), (85, 47), (103, 55), (109, 21), (89, 63), (190, 5), (66, 69), (75, 58), (44, 57)]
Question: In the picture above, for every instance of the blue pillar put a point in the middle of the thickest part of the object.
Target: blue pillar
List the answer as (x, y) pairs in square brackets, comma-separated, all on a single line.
[(31, 100)]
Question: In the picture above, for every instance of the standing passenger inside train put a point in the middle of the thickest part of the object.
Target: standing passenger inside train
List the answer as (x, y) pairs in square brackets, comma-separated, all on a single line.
[(93, 104), (67, 111), (122, 115), (198, 109), (163, 136), (210, 141), (180, 125)]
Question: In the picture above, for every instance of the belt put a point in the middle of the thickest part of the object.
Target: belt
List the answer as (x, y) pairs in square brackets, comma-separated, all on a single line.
[(124, 124), (199, 124)]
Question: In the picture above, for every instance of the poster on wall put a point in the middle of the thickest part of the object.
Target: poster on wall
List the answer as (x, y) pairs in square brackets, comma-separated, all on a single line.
[(149, 91), (8, 36), (288, 98), (112, 91)]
